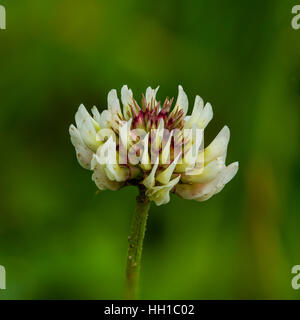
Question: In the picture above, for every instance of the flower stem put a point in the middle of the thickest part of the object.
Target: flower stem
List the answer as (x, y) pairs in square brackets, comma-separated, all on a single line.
[(136, 238)]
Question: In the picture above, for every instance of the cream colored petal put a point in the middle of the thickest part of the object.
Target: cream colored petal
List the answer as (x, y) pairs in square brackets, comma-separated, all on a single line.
[(96, 114), (195, 136), (191, 154), (107, 153), (117, 173), (124, 134), (203, 191), (105, 119), (205, 174), (82, 115), (182, 100), (165, 176), (182, 167), (113, 102), (219, 182), (195, 116), (157, 135), (151, 95), (188, 191), (83, 153), (100, 178), (166, 149), (149, 181), (85, 125), (112, 169), (198, 107), (145, 161), (205, 117), (161, 194), (127, 100), (187, 121), (126, 96), (96, 118), (104, 134), (218, 146)]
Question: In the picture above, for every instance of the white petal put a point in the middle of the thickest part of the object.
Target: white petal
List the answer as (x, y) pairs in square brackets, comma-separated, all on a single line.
[(96, 114), (100, 178), (145, 161), (83, 115), (149, 181), (157, 135), (198, 107), (195, 116), (204, 191), (105, 119), (219, 182), (151, 95), (104, 134), (218, 146), (107, 153), (113, 102), (205, 117), (195, 136), (112, 169), (117, 173), (187, 121), (228, 173), (165, 176), (127, 99), (166, 149), (189, 191), (83, 153), (206, 174), (124, 134), (126, 96), (182, 100), (86, 127), (161, 194)]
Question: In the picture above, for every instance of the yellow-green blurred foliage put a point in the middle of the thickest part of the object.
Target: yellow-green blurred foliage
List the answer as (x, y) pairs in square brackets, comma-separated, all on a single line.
[(58, 238)]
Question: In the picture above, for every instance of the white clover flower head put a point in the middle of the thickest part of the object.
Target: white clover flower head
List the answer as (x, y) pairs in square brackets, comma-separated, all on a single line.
[(152, 146)]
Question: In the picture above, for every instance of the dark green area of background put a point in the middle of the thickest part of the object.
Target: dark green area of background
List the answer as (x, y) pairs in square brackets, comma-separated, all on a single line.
[(58, 238)]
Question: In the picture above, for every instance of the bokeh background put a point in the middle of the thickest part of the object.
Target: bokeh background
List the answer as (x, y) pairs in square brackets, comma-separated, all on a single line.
[(61, 240)]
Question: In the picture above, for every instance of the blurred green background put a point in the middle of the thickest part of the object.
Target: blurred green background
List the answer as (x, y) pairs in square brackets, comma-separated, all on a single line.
[(61, 240)]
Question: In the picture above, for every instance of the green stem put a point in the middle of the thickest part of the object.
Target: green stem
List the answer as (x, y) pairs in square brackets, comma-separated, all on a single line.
[(136, 238)]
